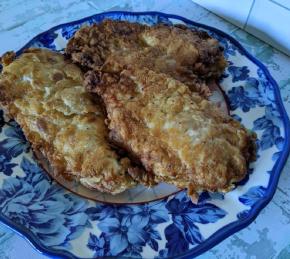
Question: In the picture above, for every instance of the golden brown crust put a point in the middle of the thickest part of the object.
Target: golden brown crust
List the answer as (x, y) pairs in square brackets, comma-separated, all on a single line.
[(43, 92), (186, 55), (179, 136), (7, 58)]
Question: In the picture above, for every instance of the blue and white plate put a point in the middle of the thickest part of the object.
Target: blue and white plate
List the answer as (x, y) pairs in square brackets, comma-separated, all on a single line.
[(60, 223)]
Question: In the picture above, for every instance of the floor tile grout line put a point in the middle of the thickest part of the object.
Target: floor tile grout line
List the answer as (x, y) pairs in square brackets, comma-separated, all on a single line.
[(206, 14), (281, 5), (250, 11), (281, 208), (234, 30), (93, 5), (224, 20), (281, 190)]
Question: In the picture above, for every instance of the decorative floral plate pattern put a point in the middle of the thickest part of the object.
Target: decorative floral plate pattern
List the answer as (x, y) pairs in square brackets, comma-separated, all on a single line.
[(58, 222)]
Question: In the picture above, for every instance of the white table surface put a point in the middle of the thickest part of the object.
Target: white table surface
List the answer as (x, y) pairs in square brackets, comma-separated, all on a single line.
[(269, 235)]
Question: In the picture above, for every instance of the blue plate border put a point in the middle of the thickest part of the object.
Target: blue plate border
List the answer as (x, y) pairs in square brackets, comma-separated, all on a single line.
[(231, 228)]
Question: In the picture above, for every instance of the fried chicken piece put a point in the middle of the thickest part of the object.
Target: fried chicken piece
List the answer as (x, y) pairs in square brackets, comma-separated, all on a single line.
[(179, 137), (189, 56), (43, 92)]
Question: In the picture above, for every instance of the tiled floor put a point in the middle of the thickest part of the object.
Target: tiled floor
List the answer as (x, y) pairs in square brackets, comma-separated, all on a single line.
[(235, 11), (266, 19), (270, 22)]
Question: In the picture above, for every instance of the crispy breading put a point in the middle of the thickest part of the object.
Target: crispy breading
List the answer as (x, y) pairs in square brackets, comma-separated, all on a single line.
[(180, 137), (189, 56), (43, 92)]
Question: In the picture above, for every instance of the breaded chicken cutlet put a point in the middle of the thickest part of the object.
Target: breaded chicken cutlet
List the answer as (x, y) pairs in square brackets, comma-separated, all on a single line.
[(190, 56), (43, 92), (179, 137)]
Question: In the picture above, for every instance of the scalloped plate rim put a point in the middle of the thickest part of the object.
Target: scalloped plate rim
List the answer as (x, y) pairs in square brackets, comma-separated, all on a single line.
[(229, 229)]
